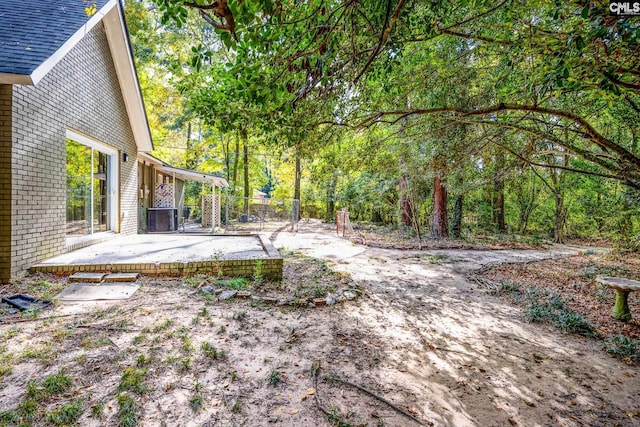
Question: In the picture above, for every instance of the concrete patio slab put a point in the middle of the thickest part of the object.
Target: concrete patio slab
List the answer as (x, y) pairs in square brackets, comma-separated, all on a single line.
[(172, 254)]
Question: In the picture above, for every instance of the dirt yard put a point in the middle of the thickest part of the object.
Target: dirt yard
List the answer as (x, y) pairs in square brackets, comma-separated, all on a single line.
[(421, 345)]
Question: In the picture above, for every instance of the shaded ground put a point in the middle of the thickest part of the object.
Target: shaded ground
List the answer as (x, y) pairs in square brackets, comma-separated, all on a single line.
[(573, 279), (422, 336)]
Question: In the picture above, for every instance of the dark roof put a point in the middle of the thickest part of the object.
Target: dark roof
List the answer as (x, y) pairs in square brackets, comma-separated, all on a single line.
[(33, 30)]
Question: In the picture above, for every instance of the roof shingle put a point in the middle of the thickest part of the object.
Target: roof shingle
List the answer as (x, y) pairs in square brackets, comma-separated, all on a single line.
[(33, 30)]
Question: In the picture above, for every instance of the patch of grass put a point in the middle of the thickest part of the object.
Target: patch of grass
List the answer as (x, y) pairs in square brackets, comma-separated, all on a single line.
[(237, 406), (240, 315), (543, 306), (143, 361), (257, 272), (127, 410), (11, 332), (91, 341), (65, 415), (237, 283), (185, 364), (53, 385), (6, 362), (569, 321), (623, 347), (27, 409), (274, 378), (9, 418), (186, 346), (436, 259), (593, 270), (601, 293), (121, 324), (163, 325), (97, 410), (139, 338), (62, 334), (132, 380), (336, 419), (45, 353), (196, 402), (547, 307), (213, 353)]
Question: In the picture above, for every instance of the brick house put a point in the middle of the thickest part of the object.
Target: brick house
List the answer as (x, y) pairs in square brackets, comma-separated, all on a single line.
[(72, 123)]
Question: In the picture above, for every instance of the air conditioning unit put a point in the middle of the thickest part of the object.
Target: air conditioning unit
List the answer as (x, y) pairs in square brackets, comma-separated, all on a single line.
[(162, 219)]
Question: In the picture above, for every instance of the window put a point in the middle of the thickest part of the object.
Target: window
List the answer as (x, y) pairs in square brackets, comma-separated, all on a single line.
[(91, 186)]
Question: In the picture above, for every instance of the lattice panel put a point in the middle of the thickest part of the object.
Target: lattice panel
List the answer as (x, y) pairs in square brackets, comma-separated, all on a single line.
[(164, 196), (206, 210), (210, 202)]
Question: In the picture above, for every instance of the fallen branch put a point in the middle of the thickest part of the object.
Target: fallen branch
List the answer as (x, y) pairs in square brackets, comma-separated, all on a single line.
[(316, 368), (372, 394)]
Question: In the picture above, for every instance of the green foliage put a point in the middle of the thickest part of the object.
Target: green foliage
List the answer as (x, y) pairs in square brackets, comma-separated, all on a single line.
[(52, 385), (212, 352), (127, 410), (504, 101), (237, 283), (623, 347), (132, 380), (274, 378), (542, 306), (67, 414)]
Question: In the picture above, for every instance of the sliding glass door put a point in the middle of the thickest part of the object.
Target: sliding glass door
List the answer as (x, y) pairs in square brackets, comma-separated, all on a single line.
[(89, 189)]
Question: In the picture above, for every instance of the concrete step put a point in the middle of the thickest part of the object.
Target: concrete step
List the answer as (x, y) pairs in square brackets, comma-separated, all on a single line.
[(82, 276), (122, 277)]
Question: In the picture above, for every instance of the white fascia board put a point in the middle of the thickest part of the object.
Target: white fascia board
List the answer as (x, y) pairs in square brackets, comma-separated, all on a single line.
[(51, 62), (194, 175), (126, 71), (183, 174)]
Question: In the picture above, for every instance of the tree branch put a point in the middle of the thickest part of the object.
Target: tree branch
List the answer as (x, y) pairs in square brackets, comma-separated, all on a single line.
[(389, 23), (473, 18), (590, 132)]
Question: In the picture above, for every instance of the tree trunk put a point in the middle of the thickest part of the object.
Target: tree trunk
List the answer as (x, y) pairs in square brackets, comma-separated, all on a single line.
[(558, 180), (189, 157), (296, 188), (227, 157), (245, 206), (498, 194), (456, 222), (560, 218), (330, 199), (405, 205), (236, 161), (439, 227)]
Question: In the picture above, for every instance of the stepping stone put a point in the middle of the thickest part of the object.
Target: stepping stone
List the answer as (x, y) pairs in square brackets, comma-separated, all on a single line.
[(122, 277), (93, 292), (227, 294), (82, 276)]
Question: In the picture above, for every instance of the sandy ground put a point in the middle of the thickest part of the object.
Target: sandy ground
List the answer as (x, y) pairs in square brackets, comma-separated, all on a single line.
[(421, 336)]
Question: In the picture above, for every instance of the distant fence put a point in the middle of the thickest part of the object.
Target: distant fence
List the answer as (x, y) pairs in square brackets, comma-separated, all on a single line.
[(260, 214)]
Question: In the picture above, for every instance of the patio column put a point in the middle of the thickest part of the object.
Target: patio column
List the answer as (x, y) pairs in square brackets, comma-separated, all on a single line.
[(175, 190)]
